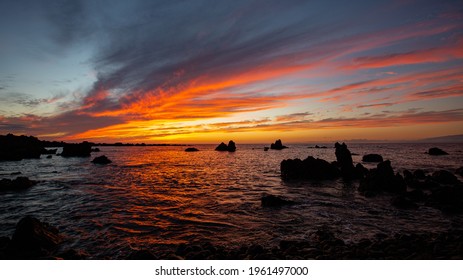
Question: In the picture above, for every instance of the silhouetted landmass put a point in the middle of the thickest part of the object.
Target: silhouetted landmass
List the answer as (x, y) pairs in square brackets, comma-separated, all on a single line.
[(101, 160), (278, 145), (222, 147), (20, 147), (443, 139), (437, 152)]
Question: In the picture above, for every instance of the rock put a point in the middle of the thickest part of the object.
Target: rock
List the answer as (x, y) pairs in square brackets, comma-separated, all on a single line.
[(274, 201), (459, 171), (382, 179), (310, 168), (266, 148), (77, 150), (372, 158), (13, 148), (33, 239), (18, 184), (403, 202), (101, 160), (344, 159), (436, 152), (361, 170), (444, 177), (278, 145), (96, 150), (49, 152), (191, 149), (224, 148), (49, 156), (320, 147), (419, 174), (447, 198)]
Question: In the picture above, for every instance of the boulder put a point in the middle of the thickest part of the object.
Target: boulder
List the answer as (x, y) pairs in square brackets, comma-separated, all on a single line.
[(344, 159), (309, 168), (224, 148), (382, 179), (274, 201), (77, 150), (419, 174), (191, 149), (101, 160), (96, 150), (18, 184), (49, 151), (33, 239), (13, 148), (266, 148), (49, 156), (372, 158), (278, 145), (436, 152), (444, 177), (449, 199), (459, 171)]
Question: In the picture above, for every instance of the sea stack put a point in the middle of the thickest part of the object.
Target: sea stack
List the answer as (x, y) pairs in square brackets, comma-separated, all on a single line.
[(278, 145), (231, 147)]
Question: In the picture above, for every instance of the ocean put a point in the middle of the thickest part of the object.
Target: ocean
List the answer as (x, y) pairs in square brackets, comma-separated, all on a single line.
[(159, 197)]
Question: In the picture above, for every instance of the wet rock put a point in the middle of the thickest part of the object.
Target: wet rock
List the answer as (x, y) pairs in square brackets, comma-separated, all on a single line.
[(13, 148), (101, 160), (34, 239), (361, 170), (372, 158), (309, 168), (77, 150), (16, 173), (231, 147), (49, 156), (18, 184), (275, 201), (382, 179), (278, 145), (444, 177), (403, 202), (436, 152), (96, 150), (344, 159), (49, 151), (191, 149)]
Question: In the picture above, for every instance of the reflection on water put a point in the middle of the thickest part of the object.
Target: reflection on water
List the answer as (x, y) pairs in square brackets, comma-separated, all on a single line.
[(156, 197)]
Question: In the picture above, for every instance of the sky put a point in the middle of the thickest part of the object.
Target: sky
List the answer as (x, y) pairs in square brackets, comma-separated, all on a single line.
[(210, 71)]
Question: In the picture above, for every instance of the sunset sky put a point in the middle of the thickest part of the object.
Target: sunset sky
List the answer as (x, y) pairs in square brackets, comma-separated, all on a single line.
[(211, 71)]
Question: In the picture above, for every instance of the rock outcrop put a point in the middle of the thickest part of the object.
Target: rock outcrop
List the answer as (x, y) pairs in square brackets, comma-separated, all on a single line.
[(437, 152), (382, 179), (191, 149), (231, 147), (77, 150), (13, 148), (344, 160), (101, 160), (372, 158), (18, 184), (309, 168), (278, 145)]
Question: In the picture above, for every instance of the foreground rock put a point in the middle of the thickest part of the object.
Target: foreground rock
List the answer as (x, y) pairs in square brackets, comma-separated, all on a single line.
[(278, 145), (372, 158), (309, 168), (344, 159), (101, 160), (18, 184), (77, 150), (191, 150), (436, 152), (275, 201), (224, 148), (382, 179), (14, 148)]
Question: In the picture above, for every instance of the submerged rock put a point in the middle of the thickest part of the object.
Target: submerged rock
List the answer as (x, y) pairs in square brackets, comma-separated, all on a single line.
[(224, 148), (77, 150), (274, 201), (372, 158), (18, 184), (278, 145), (101, 160), (436, 152), (191, 149), (309, 168)]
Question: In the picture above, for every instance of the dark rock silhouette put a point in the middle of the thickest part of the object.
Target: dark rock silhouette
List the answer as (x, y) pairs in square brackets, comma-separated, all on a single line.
[(372, 158), (309, 168), (459, 171), (14, 148), (266, 148), (49, 151), (344, 159), (33, 239), (403, 202), (449, 199), (361, 171), (419, 174), (320, 147), (444, 177), (18, 184), (224, 148), (436, 152), (96, 150), (274, 201), (191, 149), (77, 150), (382, 179), (278, 145), (49, 156), (101, 160)]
